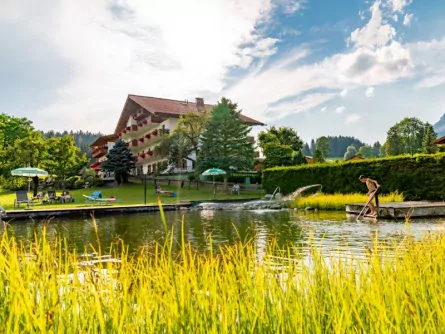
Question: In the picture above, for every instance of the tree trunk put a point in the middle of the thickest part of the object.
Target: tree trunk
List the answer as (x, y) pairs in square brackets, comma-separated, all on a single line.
[(35, 183)]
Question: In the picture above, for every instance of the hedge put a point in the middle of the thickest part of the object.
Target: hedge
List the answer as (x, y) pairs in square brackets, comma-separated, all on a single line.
[(418, 177)]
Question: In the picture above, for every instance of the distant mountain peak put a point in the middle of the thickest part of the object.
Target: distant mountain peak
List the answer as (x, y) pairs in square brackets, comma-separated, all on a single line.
[(439, 127)]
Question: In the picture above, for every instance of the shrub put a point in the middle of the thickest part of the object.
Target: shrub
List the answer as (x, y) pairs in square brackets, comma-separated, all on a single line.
[(79, 184), (419, 177)]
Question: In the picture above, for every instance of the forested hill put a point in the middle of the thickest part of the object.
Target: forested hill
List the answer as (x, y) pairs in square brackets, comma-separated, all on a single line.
[(337, 144), (82, 139)]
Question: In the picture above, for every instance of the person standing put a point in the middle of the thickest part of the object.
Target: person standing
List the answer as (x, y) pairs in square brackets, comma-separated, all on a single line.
[(373, 187)]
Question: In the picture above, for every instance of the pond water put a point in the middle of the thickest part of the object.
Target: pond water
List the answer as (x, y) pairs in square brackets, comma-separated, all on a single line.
[(331, 230)]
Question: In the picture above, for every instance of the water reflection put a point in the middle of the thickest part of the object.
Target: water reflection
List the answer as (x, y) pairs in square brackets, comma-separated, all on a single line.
[(205, 229)]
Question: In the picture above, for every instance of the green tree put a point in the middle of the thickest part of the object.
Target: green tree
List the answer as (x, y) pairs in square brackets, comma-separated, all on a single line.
[(318, 156), (64, 158), (119, 161), (427, 143), (405, 137), (323, 146), (313, 146), (350, 152), (366, 151), (29, 151), (299, 158), (280, 136), (306, 150), (224, 140), (376, 147), (278, 155)]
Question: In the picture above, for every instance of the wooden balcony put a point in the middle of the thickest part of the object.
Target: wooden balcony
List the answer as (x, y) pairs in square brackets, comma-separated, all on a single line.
[(96, 165), (100, 151), (150, 138)]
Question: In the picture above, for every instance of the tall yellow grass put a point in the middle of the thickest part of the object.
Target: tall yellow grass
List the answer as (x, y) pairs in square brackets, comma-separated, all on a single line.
[(322, 201), (44, 287)]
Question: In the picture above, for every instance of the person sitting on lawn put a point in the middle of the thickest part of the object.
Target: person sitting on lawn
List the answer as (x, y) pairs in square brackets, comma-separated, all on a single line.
[(235, 189), (159, 190)]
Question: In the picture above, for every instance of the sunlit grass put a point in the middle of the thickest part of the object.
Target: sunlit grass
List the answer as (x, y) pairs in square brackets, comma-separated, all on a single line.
[(339, 201), (133, 194), (44, 287)]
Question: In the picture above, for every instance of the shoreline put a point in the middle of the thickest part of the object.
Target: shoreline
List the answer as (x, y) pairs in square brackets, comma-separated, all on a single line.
[(87, 210)]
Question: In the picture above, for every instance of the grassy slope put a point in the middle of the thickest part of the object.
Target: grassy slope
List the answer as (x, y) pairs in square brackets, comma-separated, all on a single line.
[(134, 194)]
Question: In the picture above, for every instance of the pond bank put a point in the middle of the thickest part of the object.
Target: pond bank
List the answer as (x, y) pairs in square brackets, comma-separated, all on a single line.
[(87, 210)]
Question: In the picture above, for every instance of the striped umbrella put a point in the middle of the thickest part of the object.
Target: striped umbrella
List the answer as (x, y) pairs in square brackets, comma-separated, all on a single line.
[(213, 172), (29, 172)]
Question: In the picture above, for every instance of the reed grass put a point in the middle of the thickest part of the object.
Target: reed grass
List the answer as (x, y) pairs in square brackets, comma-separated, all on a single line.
[(338, 202), (396, 288)]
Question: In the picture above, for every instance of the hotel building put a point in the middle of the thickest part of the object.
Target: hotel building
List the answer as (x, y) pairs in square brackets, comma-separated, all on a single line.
[(143, 123)]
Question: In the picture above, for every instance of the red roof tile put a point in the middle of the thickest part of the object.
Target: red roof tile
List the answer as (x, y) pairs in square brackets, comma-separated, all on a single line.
[(160, 106)]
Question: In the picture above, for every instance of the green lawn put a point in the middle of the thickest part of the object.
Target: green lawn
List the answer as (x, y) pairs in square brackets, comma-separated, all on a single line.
[(133, 193)]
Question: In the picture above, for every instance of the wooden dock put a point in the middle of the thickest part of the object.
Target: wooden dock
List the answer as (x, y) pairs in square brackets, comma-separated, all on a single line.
[(399, 210), (87, 210)]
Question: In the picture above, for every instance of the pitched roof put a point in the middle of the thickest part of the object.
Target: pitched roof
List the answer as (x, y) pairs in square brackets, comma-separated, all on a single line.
[(165, 107), (103, 140), (439, 141)]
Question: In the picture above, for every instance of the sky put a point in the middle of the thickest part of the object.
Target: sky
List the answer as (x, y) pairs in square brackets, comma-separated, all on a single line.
[(323, 67)]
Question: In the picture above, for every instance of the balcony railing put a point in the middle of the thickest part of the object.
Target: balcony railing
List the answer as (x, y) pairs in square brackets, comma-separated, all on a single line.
[(141, 127), (95, 165), (145, 156), (149, 138), (99, 151)]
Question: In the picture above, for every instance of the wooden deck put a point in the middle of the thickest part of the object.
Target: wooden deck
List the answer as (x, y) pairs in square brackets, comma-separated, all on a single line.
[(87, 210), (402, 209)]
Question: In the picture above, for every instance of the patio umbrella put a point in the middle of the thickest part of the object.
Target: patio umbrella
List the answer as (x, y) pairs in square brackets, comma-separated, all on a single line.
[(29, 172), (213, 172)]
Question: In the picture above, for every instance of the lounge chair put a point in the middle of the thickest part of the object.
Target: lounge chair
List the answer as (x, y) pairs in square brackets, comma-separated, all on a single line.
[(159, 191), (99, 200), (22, 197)]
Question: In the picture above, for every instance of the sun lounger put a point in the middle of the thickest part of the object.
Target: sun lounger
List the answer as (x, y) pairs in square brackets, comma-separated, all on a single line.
[(99, 200)]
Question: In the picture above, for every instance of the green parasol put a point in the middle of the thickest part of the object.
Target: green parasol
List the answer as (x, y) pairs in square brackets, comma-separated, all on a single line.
[(213, 172)]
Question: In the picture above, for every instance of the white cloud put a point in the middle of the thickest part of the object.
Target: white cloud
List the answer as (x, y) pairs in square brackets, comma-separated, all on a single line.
[(340, 110), (352, 118), (292, 6), (429, 62), (395, 17), (297, 105), (375, 33), (407, 19), (344, 92), (173, 48), (361, 13), (324, 109), (370, 92), (399, 5)]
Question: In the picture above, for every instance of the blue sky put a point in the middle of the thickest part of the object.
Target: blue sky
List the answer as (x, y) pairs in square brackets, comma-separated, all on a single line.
[(324, 67)]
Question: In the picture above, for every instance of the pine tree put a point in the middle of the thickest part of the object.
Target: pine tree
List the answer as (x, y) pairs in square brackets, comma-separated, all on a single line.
[(306, 150), (427, 142), (119, 161), (299, 158), (224, 140), (313, 146), (318, 156)]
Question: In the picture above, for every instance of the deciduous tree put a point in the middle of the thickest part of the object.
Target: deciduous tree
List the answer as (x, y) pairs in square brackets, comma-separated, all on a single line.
[(366, 151), (280, 136), (323, 147), (350, 152), (405, 137)]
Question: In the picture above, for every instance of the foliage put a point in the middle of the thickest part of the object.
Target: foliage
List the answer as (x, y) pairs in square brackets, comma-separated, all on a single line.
[(120, 161), (398, 285), (339, 144), (350, 152), (306, 150), (318, 157), (282, 136), (338, 202), (427, 143), (323, 147), (376, 148), (278, 155), (82, 139), (64, 158), (406, 137), (418, 177), (299, 158), (224, 140), (313, 146), (366, 151)]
